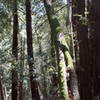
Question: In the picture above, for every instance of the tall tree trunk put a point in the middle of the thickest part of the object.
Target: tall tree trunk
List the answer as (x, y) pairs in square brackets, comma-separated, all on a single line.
[(33, 81), (73, 82), (55, 31), (84, 74), (94, 20), (15, 52), (71, 62), (1, 91), (21, 97)]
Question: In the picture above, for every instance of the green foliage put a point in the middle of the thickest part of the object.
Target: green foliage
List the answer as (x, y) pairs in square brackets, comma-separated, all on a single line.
[(83, 20), (41, 41)]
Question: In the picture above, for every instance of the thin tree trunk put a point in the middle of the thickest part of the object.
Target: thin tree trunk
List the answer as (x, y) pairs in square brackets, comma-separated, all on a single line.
[(55, 29), (15, 52), (33, 81), (62, 74), (73, 82), (21, 90), (1, 91), (21, 97), (70, 61)]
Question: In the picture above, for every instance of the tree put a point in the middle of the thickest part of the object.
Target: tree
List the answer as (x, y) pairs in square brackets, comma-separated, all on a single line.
[(32, 75), (55, 31), (71, 61), (94, 23), (15, 52), (51, 41), (84, 71), (21, 76), (2, 95)]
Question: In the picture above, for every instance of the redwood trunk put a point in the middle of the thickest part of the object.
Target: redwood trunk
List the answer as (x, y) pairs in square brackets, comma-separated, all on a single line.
[(15, 52), (33, 82), (84, 71), (94, 19)]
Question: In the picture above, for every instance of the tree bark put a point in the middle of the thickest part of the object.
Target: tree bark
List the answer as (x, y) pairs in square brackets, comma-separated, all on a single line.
[(1, 91), (55, 31), (94, 20), (73, 82), (32, 75), (84, 74), (71, 61), (15, 52), (21, 92)]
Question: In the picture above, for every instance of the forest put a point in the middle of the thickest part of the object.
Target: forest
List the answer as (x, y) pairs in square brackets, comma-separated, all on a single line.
[(49, 49)]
